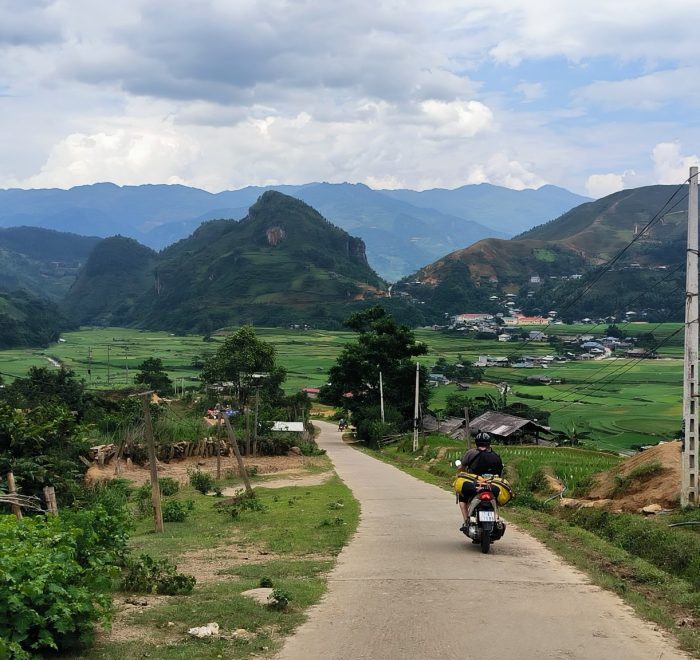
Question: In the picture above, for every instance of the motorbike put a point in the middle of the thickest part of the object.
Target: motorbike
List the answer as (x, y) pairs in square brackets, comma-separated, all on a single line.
[(484, 525)]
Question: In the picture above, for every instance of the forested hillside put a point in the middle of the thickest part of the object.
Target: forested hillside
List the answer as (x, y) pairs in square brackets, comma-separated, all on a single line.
[(283, 263), (26, 320)]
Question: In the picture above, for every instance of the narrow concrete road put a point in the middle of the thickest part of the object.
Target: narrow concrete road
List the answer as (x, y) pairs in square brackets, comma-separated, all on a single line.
[(410, 585)]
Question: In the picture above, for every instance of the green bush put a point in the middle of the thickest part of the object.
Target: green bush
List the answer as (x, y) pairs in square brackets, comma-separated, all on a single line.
[(52, 589), (201, 481), (168, 486), (237, 505), (279, 599), (265, 582), (176, 510), (143, 574), (310, 448)]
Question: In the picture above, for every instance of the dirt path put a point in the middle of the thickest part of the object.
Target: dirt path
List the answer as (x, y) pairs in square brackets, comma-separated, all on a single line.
[(409, 585)]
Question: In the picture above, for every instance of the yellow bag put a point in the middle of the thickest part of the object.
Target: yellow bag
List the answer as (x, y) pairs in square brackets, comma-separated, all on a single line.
[(505, 490), (460, 480)]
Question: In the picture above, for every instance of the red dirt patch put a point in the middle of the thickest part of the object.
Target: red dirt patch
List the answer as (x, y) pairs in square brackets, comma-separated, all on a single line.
[(661, 488)]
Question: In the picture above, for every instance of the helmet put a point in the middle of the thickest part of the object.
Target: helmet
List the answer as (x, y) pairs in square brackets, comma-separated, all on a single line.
[(483, 439)]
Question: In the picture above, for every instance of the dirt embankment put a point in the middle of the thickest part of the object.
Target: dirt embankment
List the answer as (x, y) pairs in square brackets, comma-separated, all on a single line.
[(177, 469), (651, 477)]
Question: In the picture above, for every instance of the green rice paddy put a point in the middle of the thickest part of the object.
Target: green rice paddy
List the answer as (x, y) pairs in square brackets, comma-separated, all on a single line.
[(624, 401)]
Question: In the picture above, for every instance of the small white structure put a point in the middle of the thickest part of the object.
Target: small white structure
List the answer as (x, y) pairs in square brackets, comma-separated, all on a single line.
[(294, 427)]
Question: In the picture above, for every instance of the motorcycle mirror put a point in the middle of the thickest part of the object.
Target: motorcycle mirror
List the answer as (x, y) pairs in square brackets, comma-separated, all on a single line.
[(458, 463)]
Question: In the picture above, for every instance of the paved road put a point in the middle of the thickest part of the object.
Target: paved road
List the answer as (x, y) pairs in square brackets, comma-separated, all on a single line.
[(409, 585)]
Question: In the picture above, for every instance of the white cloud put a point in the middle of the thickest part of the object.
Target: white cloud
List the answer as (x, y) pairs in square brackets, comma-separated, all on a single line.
[(456, 119), (531, 91), (670, 166), (600, 185), (124, 156), (647, 92), (228, 93), (502, 170)]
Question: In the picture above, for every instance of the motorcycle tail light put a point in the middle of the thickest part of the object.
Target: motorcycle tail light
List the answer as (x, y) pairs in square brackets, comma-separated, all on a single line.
[(486, 497)]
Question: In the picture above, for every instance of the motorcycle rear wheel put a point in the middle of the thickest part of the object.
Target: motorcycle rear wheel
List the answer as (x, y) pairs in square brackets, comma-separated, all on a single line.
[(485, 542)]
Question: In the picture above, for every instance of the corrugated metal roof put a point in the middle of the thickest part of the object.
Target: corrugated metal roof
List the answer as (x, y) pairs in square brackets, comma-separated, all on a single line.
[(502, 424)]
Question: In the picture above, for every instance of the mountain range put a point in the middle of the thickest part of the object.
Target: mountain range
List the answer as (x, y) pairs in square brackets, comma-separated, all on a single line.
[(283, 263), (549, 266), (402, 229)]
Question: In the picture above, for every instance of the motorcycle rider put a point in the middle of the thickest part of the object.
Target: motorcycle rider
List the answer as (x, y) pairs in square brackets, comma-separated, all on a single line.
[(480, 460)]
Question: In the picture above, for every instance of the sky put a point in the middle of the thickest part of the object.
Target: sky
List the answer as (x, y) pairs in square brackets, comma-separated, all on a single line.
[(592, 96)]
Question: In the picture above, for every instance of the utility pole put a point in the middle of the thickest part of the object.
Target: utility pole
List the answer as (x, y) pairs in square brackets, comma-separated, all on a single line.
[(689, 458), (381, 396), (108, 365), (255, 428), (126, 363), (415, 411), (90, 365)]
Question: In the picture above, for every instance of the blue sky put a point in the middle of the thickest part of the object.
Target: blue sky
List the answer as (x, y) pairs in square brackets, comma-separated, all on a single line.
[(594, 96)]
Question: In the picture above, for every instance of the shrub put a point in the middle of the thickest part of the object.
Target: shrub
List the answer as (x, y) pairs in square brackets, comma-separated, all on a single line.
[(279, 599), (155, 576), (201, 481), (176, 510), (310, 448), (237, 505), (265, 582), (168, 486), (49, 599)]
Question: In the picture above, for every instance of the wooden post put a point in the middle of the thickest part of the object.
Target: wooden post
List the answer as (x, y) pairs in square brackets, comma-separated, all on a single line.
[(155, 487), (12, 490), (239, 458), (218, 446), (50, 497), (247, 432)]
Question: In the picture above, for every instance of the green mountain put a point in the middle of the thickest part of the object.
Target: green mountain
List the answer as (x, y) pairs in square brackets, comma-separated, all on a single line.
[(42, 261), (26, 320), (556, 266), (282, 263), (109, 287)]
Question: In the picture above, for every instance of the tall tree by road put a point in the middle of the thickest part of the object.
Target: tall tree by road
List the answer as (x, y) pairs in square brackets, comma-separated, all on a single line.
[(382, 345)]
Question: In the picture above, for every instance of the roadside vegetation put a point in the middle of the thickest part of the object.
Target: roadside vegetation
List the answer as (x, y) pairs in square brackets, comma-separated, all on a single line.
[(66, 579)]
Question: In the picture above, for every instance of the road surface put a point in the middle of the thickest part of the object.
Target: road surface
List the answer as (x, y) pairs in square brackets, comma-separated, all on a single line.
[(410, 585)]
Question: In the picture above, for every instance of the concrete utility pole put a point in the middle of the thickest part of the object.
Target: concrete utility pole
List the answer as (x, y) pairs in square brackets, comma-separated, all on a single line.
[(381, 396), (415, 411), (689, 458)]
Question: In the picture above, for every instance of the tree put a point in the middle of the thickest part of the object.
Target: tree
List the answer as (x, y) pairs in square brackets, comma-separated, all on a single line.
[(152, 374), (384, 346), (48, 386), (237, 360)]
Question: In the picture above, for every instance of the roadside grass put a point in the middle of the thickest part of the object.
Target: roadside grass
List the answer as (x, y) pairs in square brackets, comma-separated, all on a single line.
[(306, 525), (657, 578)]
